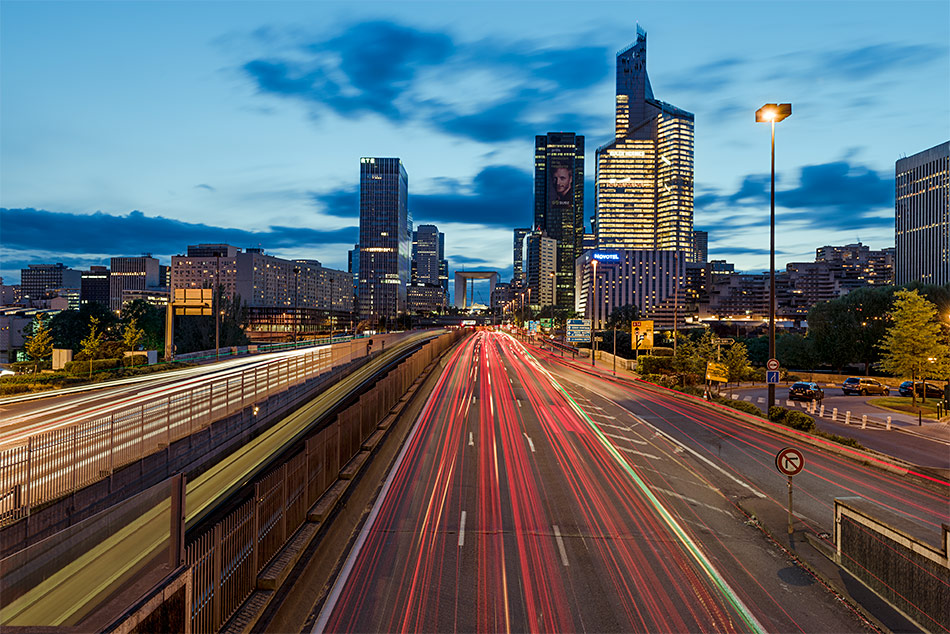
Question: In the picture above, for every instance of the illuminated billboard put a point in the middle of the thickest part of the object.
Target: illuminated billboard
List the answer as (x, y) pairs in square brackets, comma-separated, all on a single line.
[(561, 183), (607, 257), (642, 332)]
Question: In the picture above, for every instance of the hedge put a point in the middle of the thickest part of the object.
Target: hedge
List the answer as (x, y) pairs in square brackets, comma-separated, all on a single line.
[(98, 365), (743, 406)]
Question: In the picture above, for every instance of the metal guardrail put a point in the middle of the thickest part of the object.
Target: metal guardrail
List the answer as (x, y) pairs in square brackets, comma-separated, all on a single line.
[(55, 463), (227, 560)]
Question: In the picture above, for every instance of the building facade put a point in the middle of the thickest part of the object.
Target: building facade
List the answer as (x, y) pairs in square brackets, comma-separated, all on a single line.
[(384, 238), (645, 175), (651, 280), (922, 217), (559, 203), (426, 298), (38, 281), (700, 247), (131, 274), (94, 286), (428, 257), (540, 259), (517, 272)]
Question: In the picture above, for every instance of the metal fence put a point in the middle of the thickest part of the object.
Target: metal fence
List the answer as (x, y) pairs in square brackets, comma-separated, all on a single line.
[(55, 463), (227, 560)]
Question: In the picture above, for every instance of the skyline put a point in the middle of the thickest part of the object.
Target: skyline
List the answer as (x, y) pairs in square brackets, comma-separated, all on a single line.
[(245, 126)]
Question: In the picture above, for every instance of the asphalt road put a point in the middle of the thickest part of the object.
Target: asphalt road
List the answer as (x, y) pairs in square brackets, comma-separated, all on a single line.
[(529, 497)]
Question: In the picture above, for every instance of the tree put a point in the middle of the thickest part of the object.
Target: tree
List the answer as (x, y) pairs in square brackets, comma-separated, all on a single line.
[(622, 317), (93, 342), (831, 328), (869, 306), (69, 327), (39, 345), (148, 317), (915, 345), (131, 337), (736, 359)]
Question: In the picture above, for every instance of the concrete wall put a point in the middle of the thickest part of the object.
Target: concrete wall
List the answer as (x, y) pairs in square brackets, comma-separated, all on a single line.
[(877, 546)]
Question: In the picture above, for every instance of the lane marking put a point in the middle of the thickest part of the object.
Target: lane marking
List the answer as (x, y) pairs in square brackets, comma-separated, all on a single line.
[(471, 440), (462, 531), (519, 401), (692, 501), (530, 442), (705, 460), (618, 437), (639, 453), (560, 545)]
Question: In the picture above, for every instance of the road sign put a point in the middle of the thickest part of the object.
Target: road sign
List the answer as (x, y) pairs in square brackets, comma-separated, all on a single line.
[(717, 372), (642, 332), (723, 341), (771, 376), (599, 339), (789, 461), (578, 330), (772, 364)]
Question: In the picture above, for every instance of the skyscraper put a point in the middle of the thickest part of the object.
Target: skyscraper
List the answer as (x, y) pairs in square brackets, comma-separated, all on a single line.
[(384, 238), (559, 203), (517, 272), (540, 264), (428, 254), (645, 175), (922, 217), (700, 246)]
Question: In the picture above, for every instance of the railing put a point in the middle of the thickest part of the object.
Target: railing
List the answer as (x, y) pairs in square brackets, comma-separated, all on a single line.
[(227, 560), (60, 461)]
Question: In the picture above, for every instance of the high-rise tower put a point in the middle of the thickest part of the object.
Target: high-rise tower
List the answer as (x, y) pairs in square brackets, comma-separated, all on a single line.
[(645, 175), (384, 238), (922, 217), (559, 203)]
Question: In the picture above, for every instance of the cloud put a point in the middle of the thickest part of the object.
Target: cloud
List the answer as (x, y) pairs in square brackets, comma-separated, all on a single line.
[(409, 75), (867, 62), (206, 186), (78, 234), (499, 195)]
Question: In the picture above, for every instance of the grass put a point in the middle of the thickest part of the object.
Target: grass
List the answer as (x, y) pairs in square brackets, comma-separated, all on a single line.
[(903, 405)]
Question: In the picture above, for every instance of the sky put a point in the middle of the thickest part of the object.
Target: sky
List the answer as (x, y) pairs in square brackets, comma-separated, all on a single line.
[(132, 127)]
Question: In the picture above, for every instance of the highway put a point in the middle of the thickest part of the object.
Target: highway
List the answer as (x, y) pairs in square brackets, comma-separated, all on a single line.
[(64, 597), (523, 501)]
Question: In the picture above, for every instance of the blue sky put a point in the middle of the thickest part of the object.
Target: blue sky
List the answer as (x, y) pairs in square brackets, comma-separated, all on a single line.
[(128, 127)]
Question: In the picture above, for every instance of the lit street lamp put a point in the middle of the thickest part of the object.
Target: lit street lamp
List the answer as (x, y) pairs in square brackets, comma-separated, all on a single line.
[(772, 113)]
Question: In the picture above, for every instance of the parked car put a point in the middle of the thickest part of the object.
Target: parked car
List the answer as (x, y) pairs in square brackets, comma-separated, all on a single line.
[(805, 392), (864, 386), (921, 387)]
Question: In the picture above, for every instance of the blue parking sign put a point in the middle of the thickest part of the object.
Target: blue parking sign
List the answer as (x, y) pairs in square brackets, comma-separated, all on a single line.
[(771, 376)]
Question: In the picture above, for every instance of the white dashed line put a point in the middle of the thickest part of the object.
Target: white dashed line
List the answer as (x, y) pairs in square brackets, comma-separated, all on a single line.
[(639, 453), (471, 440), (530, 442), (560, 545), (462, 530)]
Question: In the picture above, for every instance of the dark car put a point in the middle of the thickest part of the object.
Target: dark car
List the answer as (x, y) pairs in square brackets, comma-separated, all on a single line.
[(863, 386), (931, 390), (803, 391)]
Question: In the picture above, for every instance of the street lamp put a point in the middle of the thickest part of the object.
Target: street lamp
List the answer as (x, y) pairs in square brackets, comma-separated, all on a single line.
[(772, 113)]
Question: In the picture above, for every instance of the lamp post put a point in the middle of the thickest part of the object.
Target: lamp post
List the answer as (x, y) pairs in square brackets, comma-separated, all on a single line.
[(772, 113)]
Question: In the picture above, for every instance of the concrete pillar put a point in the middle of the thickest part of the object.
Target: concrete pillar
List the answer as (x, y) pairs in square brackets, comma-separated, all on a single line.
[(888, 423), (847, 417), (864, 421), (834, 414)]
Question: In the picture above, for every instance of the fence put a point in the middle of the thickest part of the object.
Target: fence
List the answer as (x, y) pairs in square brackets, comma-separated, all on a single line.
[(60, 461), (227, 560)]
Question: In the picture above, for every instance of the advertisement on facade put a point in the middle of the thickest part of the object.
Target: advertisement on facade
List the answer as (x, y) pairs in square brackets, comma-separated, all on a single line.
[(561, 183)]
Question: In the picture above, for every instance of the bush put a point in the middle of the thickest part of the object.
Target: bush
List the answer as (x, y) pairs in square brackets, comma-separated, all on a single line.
[(777, 414), (756, 375), (28, 366), (82, 367), (654, 365), (743, 406), (792, 418), (13, 388), (662, 352)]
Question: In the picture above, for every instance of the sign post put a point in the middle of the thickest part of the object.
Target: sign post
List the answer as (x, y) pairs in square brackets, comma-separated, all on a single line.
[(789, 462)]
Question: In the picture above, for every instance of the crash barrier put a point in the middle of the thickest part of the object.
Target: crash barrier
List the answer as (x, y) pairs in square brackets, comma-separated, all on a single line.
[(227, 560), (87, 575), (52, 464), (875, 546)]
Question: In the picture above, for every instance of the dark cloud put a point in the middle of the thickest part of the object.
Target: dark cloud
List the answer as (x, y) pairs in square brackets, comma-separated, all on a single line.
[(206, 186), (29, 230), (498, 195), (380, 67), (727, 250)]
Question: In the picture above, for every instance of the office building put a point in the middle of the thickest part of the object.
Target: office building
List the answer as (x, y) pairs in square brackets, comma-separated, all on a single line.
[(540, 261), (517, 271), (426, 298), (384, 238), (353, 266), (559, 203), (653, 281), (131, 274), (645, 175), (700, 252), (9, 294), (94, 286), (922, 217), (38, 281)]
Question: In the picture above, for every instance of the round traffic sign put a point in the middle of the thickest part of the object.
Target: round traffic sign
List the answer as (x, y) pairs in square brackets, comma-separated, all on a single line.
[(789, 461), (772, 364)]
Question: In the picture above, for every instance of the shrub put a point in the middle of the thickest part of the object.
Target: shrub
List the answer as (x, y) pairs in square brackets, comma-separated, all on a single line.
[(777, 414), (98, 365), (654, 365), (662, 352), (13, 388), (800, 421), (28, 366)]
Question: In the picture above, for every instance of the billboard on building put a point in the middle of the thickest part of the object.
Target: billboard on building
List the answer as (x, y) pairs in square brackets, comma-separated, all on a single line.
[(561, 182)]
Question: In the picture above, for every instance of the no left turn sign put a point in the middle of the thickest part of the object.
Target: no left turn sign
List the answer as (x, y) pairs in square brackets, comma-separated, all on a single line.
[(789, 461)]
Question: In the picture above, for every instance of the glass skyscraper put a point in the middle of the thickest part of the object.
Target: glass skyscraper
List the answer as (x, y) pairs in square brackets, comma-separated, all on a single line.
[(559, 203), (645, 175), (385, 242), (922, 217)]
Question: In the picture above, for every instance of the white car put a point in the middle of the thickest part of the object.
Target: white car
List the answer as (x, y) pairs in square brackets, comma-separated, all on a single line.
[(5, 372)]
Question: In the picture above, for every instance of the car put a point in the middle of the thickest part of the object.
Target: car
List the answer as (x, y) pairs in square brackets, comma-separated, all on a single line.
[(922, 388), (864, 386), (805, 391), (6, 372)]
